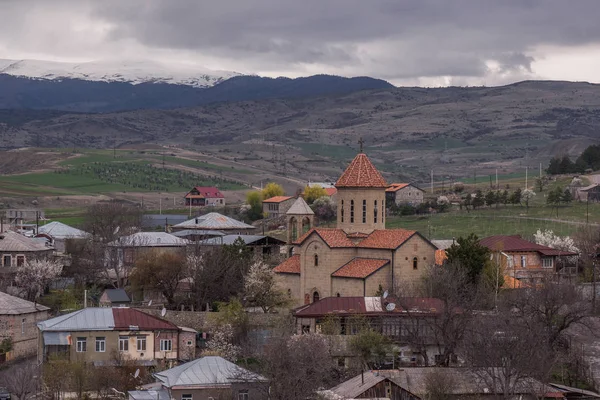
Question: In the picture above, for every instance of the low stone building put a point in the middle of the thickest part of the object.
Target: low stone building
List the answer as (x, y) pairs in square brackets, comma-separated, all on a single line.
[(404, 193), (277, 206), (16, 249), (18, 318), (64, 238)]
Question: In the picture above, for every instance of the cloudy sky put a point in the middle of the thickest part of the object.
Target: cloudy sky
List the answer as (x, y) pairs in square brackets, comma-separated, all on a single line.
[(420, 42)]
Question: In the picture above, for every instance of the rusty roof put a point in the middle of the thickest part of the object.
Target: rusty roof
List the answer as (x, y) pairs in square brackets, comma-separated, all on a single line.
[(369, 306), (514, 243), (386, 239), (277, 199), (360, 268), (127, 317), (333, 237), (289, 266), (361, 173)]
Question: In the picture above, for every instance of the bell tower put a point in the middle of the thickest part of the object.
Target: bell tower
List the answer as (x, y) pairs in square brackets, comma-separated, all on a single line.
[(361, 196)]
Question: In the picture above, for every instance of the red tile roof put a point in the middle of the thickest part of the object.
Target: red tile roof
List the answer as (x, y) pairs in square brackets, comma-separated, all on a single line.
[(333, 237), (289, 266), (396, 186), (330, 191), (515, 243), (360, 268), (277, 199), (386, 239), (361, 173), (127, 317), (368, 306)]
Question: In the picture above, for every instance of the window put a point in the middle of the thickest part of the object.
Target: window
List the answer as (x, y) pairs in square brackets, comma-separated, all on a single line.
[(316, 297), (23, 325), (316, 260), (7, 261), (342, 211), (141, 343), (123, 343), (101, 344), (523, 261), (186, 397), (337, 294), (243, 395), (81, 345), (375, 212), (20, 260), (166, 345), (547, 262), (364, 211), (415, 263), (351, 211)]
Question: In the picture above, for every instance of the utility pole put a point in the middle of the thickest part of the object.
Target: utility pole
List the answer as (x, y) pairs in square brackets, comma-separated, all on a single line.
[(525, 177), (431, 181), (497, 187)]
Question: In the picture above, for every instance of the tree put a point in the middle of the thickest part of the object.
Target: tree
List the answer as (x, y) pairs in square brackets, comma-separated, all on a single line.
[(312, 193), (261, 289), (271, 190), (478, 200), (221, 344), (504, 197), (161, 271), (22, 380), (490, 198), (567, 197), (515, 197), (35, 275), (554, 197), (527, 195), (324, 208), (254, 201), (468, 253), (548, 238), (371, 347)]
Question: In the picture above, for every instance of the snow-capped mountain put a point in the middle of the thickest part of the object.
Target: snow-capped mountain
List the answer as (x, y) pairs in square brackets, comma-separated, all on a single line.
[(133, 72)]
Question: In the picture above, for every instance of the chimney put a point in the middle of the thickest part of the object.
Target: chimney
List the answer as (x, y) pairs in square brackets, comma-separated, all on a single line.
[(196, 221)]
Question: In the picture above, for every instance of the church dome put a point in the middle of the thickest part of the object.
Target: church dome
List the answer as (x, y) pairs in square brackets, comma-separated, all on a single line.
[(361, 173)]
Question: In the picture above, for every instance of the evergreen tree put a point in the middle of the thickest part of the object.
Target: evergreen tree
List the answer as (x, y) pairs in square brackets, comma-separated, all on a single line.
[(567, 197), (479, 200), (490, 198), (469, 254)]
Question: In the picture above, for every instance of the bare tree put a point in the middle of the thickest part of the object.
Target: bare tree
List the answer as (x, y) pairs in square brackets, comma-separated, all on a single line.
[(22, 381), (439, 385), (160, 270)]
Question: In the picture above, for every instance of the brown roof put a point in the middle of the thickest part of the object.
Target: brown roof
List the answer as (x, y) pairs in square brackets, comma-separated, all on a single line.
[(330, 191), (440, 256), (369, 306), (333, 237), (396, 186), (360, 268), (515, 243), (127, 317), (386, 239), (289, 266), (277, 199), (361, 173)]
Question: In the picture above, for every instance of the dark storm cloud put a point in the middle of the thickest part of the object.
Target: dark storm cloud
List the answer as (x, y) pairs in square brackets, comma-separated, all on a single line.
[(392, 39)]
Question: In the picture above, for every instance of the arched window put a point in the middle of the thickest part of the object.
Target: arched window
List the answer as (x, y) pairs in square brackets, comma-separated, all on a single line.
[(291, 253), (337, 294), (375, 212), (315, 297), (351, 211), (364, 211), (316, 260), (415, 263), (342, 211)]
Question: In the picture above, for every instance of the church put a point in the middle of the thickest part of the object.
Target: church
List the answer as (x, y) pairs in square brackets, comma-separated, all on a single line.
[(359, 257)]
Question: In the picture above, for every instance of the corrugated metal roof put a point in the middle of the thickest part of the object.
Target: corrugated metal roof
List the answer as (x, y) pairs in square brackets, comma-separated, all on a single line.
[(442, 244), (12, 305), (150, 239), (58, 230), (88, 319), (149, 395), (230, 239), (214, 221), (117, 295), (197, 232), (13, 242), (127, 317), (56, 338), (300, 207), (206, 371)]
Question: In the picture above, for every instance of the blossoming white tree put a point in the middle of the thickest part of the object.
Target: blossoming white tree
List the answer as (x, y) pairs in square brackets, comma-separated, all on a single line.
[(34, 275), (526, 196), (221, 344), (548, 238), (261, 288)]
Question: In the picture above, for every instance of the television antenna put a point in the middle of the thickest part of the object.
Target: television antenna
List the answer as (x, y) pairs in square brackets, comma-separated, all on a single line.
[(385, 294), (390, 306), (163, 312)]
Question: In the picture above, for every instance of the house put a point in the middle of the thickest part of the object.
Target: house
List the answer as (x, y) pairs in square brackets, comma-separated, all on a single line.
[(401, 320), (195, 235), (202, 196), (524, 260), (588, 193), (215, 222), (329, 187), (17, 216), (274, 207), (260, 244), (17, 326), (16, 249), (413, 384), (102, 335), (62, 237), (208, 377), (114, 298), (360, 254), (404, 193)]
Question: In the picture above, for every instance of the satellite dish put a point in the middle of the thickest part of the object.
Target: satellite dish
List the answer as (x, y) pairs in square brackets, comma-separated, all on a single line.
[(163, 312), (137, 373), (390, 306), (385, 294), (149, 303), (116, 230)]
